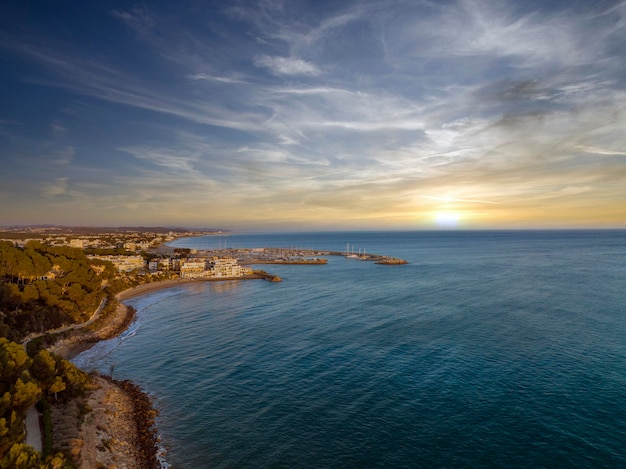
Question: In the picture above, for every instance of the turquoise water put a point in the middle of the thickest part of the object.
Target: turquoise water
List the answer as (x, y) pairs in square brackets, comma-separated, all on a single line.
[(490, 349)]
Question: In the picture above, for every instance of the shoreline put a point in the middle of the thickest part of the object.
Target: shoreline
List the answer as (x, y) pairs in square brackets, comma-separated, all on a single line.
[(129, 436), (151, 287), (124, 315), (112, 425)]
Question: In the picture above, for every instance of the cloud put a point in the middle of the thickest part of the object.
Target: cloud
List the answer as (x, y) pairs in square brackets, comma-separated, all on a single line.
[(601, 151), (167, 158), (358, 110), (139, 19), (216, 79), (10, 122), (58, 189), (456, 199), (94, 78), (287, 65), (64, 155)]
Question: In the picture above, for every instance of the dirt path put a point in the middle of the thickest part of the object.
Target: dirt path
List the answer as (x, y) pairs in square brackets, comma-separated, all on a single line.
[(33, 430), (71, 327)]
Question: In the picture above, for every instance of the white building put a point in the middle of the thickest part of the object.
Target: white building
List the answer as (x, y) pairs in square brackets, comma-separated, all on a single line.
[(228, 267), (193, 268), (215, 268)]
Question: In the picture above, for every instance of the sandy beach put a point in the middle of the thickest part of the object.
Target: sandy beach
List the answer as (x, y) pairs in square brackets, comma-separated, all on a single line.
[(152, 287), (163, 284)]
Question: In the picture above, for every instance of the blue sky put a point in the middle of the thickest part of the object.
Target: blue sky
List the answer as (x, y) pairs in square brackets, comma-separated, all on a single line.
[(289, 115)]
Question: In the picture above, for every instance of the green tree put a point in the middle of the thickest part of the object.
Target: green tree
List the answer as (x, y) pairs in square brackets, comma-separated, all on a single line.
[(21, 456), (13, 362), (57, 461), (8, 260), (75, 380), (42, 263), (30, 293), (25, 394), (5, 403), (44, 368), (25, 267), (57, 386)]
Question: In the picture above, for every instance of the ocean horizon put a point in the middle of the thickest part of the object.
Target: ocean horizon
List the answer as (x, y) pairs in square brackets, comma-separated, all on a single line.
[(489, 349)]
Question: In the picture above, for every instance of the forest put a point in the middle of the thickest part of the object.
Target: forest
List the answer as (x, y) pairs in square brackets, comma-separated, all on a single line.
[(44, 287), (25, 381)]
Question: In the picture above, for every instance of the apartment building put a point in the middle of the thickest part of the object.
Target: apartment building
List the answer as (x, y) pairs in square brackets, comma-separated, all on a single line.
[(227, 267)]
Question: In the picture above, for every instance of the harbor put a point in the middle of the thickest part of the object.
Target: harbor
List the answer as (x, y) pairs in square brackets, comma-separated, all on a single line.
[(293, 256)]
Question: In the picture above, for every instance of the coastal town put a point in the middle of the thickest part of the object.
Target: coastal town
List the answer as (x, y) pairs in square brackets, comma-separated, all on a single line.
[(146, 251), (62, 289)]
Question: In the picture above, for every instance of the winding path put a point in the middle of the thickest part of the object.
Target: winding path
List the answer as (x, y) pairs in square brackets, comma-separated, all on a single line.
[(71, 327), (33, 430)]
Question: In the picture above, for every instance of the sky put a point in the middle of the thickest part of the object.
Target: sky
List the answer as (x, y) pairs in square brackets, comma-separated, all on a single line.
[(277, 115)]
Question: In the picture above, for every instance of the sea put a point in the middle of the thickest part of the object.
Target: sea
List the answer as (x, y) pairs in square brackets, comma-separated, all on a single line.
[(488, 349)]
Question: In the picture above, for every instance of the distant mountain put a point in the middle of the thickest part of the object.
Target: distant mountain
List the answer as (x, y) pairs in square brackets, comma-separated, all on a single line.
[(84, 230)]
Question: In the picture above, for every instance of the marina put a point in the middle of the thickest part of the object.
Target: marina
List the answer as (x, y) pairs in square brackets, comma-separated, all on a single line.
[(299, 256)]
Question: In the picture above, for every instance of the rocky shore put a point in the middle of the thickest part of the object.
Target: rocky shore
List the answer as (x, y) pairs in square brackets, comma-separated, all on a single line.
[(112, 426), (114, 324)]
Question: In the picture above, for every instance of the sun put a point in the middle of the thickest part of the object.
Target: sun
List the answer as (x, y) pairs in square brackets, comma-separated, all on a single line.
[(447, 219)]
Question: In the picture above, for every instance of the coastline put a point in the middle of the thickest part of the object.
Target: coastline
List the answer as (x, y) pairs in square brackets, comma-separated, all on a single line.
[(119, 428), (150, 287), (112, 425), (123, 316)]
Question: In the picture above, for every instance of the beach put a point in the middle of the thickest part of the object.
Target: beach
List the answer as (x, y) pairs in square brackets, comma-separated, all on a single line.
[(155, 286)]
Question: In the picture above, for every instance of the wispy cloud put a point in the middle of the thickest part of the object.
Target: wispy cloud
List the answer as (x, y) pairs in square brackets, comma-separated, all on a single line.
[(455, 199), (357, 111), (139, 19), (287, 65), (216, 79), (59, 189)]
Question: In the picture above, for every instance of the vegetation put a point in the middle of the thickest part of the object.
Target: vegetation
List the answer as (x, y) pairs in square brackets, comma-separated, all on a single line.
[(44, 407), (107, 252), (24, 380), (43, 287)]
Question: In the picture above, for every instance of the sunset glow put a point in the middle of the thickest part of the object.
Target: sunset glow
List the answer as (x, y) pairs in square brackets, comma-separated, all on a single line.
[(297, 116)]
